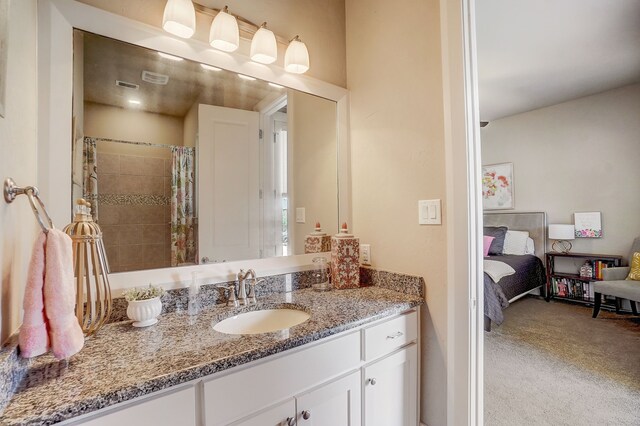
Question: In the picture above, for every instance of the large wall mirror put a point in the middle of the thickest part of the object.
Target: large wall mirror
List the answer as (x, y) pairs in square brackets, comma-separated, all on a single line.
[(185, 163)]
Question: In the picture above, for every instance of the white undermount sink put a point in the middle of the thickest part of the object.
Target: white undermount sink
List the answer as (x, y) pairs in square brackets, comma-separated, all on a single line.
[(264, 321)]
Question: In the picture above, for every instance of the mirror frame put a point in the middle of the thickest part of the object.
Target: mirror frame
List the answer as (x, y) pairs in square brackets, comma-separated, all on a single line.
[(56, 22)]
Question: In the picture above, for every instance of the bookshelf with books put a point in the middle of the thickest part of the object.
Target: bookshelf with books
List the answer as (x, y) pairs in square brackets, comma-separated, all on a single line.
[(576, 285)]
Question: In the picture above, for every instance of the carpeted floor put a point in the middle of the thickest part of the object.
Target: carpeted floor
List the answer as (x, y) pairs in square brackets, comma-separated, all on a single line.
[(552, 364)]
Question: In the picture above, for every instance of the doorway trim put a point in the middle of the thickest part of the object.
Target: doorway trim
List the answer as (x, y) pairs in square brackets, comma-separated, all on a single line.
[(465, 307)]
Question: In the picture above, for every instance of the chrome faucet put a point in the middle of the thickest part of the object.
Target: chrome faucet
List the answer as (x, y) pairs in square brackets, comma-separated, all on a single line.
[(242, 292)]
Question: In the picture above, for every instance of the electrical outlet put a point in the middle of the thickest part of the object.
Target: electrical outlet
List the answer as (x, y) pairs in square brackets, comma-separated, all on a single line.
[(365, 254)]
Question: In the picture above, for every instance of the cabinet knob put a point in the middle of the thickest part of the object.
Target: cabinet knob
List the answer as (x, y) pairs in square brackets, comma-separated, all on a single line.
[(372, 381), (306, 415), (291, 421)]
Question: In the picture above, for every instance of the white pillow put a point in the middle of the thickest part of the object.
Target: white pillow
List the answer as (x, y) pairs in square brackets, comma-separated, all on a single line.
[(515, 242), (497, 270), (530, 247)]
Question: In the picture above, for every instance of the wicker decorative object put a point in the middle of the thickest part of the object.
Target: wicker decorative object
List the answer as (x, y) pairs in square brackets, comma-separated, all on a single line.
[(93, 293)]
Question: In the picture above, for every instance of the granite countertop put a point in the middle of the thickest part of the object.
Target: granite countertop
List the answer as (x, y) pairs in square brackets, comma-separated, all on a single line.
[(123, 362)]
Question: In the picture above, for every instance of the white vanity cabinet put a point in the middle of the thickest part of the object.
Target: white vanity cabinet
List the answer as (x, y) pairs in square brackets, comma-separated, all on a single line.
[(390, 376), (336, 403), (248, 392), (366, 376), (390, 387)]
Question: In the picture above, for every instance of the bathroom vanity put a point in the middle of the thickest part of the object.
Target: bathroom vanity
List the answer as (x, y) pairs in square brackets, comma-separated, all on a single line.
[(354, 361)]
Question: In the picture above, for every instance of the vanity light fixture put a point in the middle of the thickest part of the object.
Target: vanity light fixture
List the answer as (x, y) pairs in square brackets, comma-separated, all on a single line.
[(296, 58), (224, 34), (167, 56), (134, 102), (210, 68), (179, 18), (277, 86), (246, 77), (264, 48)]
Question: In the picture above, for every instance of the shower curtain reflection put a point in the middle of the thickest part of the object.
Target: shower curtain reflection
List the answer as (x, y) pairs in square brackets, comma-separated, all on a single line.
[(183, 220)]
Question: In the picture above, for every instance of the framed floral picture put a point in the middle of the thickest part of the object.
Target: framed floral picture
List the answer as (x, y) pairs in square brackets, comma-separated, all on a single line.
[(588, 225), (497, 187)]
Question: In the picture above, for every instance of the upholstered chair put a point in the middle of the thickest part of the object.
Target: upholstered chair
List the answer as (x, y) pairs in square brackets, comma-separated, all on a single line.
[(614, 283)]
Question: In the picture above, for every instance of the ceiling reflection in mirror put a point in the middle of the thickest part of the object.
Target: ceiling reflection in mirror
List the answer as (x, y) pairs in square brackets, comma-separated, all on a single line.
[(186, 163)]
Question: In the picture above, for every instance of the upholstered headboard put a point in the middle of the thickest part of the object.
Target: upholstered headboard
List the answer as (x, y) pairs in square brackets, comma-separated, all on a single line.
[(533, 222)]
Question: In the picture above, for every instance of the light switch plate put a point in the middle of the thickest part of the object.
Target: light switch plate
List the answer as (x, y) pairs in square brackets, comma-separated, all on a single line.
[(300, 215), (429, 212)]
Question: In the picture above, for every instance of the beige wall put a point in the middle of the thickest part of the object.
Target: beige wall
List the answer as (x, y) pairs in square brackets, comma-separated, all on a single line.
[(577, 156), (104, 121), (18, 160), (395, 80), (312, 131), (320, 24)]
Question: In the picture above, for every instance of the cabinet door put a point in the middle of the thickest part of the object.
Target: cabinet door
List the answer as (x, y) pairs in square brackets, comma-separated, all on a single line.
[(337, 404), (391, 390), (278, 415)]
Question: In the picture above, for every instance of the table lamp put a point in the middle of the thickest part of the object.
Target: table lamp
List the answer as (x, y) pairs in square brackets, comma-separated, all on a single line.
[(561, 234)]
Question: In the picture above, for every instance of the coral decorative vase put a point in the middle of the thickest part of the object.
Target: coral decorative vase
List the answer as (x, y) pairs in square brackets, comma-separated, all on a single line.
[(144, 312)]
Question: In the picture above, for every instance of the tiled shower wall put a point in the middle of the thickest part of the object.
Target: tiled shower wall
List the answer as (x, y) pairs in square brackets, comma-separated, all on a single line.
[(133, 207)]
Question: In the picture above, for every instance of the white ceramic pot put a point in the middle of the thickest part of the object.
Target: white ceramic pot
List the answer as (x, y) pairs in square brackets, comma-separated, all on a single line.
[(144, 312)]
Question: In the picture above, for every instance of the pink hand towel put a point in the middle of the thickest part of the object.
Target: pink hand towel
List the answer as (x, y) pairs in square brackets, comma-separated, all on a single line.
[(59, 296), (33, 338)]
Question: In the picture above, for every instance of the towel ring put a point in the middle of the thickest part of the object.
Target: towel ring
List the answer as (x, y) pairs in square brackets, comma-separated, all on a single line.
[(11, 191)]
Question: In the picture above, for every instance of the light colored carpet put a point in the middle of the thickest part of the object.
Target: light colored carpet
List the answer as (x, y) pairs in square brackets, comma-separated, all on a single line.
[(552, 364)]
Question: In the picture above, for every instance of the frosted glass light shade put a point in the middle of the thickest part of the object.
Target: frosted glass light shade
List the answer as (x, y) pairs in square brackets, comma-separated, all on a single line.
[(179, 18), (562, 232), (224, 34), (296, 58), (263, 46)]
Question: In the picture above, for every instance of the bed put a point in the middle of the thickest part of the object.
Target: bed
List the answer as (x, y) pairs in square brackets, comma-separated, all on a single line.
[(529, 273)]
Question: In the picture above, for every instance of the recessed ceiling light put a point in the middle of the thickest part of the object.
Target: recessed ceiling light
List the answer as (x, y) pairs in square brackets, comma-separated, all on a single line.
[(210, 68), (246, 77), (134, 102), (277, 86), (167, 56)]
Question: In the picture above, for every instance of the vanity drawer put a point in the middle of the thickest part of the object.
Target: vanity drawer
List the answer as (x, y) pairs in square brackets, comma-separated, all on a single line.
[(381, 339)]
